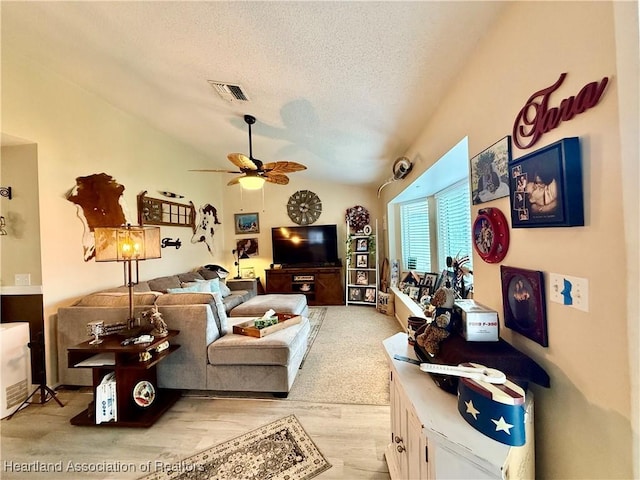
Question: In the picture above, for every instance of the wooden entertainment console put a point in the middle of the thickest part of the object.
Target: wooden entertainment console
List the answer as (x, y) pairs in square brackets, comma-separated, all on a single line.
[(321, 285)]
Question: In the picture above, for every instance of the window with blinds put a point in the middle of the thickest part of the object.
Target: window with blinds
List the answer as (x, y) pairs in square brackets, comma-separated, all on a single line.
[(415, 235), (454, 223)]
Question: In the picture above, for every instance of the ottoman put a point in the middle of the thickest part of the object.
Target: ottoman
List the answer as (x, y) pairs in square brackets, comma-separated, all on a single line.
[(248, 364), (294, 303)]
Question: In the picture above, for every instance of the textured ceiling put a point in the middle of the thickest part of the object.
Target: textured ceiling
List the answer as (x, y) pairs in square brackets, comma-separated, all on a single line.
[(342, 87)]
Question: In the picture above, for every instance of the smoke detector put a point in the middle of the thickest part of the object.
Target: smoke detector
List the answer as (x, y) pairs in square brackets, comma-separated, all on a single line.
[(229, 92)]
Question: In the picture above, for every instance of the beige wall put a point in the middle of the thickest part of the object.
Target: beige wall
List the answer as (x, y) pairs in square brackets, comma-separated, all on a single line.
[(20, 248), (272, 210), (78, 134), (583, 422)]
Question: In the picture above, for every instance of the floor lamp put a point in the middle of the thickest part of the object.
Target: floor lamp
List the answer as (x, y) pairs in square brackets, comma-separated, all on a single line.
[(127, 244)]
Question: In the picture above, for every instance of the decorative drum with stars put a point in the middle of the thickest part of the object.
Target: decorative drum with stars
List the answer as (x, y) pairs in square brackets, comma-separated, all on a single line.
[(495, 410)]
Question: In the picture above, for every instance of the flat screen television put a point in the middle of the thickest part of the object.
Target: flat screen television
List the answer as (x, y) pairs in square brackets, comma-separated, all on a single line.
[(310, 245)]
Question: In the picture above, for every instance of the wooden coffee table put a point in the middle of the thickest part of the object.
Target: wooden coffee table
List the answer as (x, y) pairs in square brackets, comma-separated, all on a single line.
[(131, 376)]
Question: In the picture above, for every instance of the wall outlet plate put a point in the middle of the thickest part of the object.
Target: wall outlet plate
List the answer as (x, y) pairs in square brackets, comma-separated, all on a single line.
[(22, 279)]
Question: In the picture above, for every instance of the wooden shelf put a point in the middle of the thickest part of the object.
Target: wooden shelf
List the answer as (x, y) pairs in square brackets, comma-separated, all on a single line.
[(129, 371), (138, 418), (356, 292)]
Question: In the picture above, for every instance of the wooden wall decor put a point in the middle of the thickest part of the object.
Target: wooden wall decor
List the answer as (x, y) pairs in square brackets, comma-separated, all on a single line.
[(536, 118), (155, 211), (97, 198)]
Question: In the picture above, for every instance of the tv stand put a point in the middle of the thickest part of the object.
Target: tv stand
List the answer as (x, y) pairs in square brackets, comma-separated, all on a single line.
[(320, 284)]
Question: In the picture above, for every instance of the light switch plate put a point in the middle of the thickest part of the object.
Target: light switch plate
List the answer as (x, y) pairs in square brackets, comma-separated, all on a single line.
[(569, 291)]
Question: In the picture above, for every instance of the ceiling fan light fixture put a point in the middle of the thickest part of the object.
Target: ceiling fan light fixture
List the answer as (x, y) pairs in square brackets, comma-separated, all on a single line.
[(251, 182)]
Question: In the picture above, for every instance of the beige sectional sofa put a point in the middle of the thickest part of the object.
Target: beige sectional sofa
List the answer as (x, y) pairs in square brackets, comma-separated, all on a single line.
[(210, 356)]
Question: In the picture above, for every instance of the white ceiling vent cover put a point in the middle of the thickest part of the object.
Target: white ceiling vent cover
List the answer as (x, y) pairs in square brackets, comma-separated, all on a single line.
[(229, 92)]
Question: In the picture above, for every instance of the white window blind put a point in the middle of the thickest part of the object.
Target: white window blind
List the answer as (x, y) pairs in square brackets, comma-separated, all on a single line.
[(416, 249), (454, 223)]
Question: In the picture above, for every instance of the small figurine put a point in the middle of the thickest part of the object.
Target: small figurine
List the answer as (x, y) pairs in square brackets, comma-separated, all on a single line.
[(154, 317)]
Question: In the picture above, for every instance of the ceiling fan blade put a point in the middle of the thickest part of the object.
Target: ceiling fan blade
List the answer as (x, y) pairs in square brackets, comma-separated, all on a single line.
[(235, 181), (218, 171), (242, 161), (276, 178), (283, 167)]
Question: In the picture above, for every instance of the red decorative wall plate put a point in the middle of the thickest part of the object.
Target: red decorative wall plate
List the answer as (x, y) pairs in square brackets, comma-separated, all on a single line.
[(491, 235)]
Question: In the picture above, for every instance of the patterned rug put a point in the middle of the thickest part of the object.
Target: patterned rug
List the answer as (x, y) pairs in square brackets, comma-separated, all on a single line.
[(280, 450), (316, 317)]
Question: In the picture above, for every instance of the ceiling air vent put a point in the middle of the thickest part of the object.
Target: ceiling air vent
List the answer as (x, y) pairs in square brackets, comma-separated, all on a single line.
[(229, 92)]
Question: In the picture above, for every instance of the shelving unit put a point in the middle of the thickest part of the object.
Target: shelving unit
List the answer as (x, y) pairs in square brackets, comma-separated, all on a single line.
[(361, 274)]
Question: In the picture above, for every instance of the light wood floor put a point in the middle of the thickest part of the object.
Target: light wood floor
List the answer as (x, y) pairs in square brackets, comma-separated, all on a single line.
[(351, 437)]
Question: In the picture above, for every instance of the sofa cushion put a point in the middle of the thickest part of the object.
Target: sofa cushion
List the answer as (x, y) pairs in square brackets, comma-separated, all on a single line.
[(138, 287), (116, 299), (214, 300), (161, 284), (235, 299), (274, 349), (280, 302), (189, 277)]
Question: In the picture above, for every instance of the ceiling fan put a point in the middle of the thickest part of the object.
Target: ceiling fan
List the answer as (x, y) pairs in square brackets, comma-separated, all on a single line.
[(254, 172)]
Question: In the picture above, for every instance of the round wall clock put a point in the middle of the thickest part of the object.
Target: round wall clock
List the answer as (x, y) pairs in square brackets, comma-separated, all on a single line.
[(491, 235), (304, 207)]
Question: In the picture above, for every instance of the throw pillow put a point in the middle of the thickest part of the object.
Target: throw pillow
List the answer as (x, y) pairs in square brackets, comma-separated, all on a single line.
[(213, 285), (189, 277), (195, 287), (224, 289), (162, 284), (222, 314), (214, 300), (208, 274)]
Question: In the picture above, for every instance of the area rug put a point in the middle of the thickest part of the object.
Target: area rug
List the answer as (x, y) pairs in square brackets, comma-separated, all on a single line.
[(347, 363), (316, 317), (280, 450)]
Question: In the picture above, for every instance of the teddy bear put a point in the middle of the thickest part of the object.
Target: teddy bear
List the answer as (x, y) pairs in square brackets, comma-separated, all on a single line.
[(435, 333), (441, 326)]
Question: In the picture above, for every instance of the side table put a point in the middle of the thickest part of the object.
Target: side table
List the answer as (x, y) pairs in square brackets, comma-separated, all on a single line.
[(129, 373), (248, 283)]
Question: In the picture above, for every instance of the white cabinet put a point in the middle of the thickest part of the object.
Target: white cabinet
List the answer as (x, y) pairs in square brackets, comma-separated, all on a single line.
[(361, 275), (407, 453), (431, 440)]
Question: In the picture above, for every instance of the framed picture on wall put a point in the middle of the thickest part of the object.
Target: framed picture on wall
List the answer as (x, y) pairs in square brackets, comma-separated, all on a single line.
[(546, 187), (524, 303), (247, 246), (246, 223), (489, 172)]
